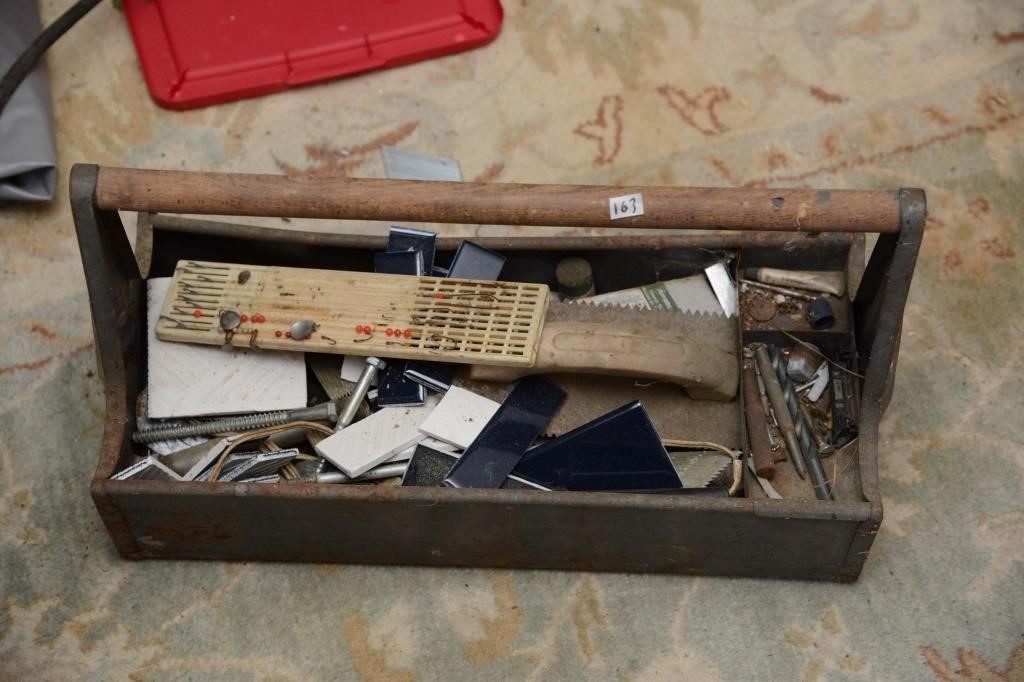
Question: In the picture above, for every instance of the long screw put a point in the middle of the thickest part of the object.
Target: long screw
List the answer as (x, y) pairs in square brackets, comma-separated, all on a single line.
[(324, 412), (803, 429), (348, 414), (369, 373)]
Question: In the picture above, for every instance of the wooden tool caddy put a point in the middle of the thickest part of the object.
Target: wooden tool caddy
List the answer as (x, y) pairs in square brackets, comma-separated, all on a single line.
[(747, 535)]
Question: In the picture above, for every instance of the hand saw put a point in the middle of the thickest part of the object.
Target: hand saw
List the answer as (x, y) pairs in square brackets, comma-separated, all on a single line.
[(396, 316), (671, 347)]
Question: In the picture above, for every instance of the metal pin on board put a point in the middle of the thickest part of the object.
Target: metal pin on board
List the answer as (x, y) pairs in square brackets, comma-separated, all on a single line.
[(303, 329), (229, 320)]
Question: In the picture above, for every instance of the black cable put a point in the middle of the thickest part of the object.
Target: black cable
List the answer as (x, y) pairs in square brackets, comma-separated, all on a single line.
[(24, 64)]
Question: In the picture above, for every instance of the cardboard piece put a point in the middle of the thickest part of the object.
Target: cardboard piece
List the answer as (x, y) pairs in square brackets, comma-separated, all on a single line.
[(193, 380)]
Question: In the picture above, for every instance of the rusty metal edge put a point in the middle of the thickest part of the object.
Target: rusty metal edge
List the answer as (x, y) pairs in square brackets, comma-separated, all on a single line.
[(849, 510)]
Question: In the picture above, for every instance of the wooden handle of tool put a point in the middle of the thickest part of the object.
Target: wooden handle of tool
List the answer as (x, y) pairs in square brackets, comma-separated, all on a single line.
[(757, 425), (706, 372), (800, 210)]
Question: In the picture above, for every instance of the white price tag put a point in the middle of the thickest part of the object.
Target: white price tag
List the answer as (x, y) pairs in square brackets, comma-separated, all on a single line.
[(626, 207)]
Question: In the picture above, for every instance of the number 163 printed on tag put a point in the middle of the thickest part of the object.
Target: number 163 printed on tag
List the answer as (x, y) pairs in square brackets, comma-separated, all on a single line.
[(626, 206)]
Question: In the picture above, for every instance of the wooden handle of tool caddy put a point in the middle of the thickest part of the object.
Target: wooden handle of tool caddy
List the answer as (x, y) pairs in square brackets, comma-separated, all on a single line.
[(787, 210), (706, 372)]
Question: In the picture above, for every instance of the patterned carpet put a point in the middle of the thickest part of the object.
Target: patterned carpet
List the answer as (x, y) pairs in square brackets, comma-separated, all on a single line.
[(790, 93)]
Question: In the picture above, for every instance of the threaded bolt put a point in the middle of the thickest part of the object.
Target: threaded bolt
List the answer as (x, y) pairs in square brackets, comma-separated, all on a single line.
[(324, 412), (369, 373), (348, 414)]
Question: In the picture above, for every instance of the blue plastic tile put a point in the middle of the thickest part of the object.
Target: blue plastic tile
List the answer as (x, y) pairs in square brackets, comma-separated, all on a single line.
[(436, 376), (618, 451), (398, 262), (408, 239), (395, 390), (513, 428), (472, 261)]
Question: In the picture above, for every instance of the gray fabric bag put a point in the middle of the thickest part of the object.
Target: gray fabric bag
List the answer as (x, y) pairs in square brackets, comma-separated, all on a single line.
[(28, 155)]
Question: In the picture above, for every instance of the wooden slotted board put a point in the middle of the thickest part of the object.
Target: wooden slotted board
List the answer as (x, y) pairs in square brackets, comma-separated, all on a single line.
[(430, 318)]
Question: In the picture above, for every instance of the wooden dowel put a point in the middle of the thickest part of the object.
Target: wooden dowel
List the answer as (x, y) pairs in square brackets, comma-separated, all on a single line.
[(801, 210)]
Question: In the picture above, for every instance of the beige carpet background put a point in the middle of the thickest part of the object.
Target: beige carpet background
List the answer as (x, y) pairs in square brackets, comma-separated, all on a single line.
[(790, 93)]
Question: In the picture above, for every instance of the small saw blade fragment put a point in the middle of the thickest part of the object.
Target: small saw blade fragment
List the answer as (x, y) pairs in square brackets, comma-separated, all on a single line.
[(327, 370), (698, 468)]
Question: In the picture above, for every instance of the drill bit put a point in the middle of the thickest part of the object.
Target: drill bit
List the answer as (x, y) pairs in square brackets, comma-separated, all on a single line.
[(766, 408), (785, 421), (803, 429)]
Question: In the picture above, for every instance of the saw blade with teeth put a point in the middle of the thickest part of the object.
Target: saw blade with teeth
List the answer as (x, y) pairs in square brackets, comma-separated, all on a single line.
[(699, 469), (712, 328), (327, 370), (692, 294)]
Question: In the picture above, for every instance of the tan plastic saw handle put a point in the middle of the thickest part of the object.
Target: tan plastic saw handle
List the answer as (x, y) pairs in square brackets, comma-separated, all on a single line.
[(706, 372)]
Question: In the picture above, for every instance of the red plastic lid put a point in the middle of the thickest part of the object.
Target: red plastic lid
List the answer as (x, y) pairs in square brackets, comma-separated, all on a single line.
[(200, 52)]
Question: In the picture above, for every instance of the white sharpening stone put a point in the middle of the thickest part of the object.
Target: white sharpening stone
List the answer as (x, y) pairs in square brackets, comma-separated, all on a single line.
[(432, 443), (188, 380), (375, 439), (460, 417)]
